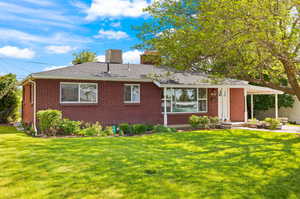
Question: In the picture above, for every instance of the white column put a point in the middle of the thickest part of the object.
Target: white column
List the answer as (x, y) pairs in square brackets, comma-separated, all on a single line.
[(246, 111), (276, 106), (165, 108), (252, 108)]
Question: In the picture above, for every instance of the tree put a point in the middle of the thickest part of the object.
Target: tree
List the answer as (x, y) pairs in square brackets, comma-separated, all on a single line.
[(10, 101), (83, 57), (257, 41)]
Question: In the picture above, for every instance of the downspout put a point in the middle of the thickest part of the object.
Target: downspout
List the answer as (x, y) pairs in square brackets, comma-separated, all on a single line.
[(34, 106)]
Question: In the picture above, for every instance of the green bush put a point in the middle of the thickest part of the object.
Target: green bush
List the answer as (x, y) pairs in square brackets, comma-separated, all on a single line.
[(203, 121), (149, 127), (69, 127), (214, 121), (194, 121), (126, 128), (108, 131), (48, 121), (91, 130), (10, 99), (272, 123), (139, 128), (163, 129)]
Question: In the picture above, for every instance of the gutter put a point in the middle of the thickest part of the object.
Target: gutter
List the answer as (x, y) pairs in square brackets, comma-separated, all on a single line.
[(34, 105)]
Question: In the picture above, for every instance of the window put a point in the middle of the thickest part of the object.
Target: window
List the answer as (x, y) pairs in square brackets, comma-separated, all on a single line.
[(185, 100), (132, 93), (79, 92)]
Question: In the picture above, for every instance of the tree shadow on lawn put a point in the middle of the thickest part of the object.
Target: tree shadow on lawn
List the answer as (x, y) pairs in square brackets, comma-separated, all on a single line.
[(206, 164)]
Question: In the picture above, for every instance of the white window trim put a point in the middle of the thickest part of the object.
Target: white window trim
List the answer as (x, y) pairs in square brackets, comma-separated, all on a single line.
[(77, 102), (198, 99), (131, 93)]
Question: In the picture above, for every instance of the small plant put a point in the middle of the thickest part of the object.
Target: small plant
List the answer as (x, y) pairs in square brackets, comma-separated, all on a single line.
[(139, 128), (203, 121), (214, 121), (126, 128), (272, 123), (49, 120), (194, 121), (69, 127), (92, 130), (163, 129), (108, 131), (149, 127)]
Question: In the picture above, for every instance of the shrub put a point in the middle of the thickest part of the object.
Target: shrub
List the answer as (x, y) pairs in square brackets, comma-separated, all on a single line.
[(273, 123), (126, 128), (194, 121), (203, 121), (149, 127), (253, 121), (49, 120), (108, 131), (163, 129), (92, 130), (139, 128), (214, 121), (69, 127)]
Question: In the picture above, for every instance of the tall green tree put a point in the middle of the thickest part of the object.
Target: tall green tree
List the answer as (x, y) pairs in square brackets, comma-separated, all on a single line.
[(253, 40), (10, 100), (84, 56)]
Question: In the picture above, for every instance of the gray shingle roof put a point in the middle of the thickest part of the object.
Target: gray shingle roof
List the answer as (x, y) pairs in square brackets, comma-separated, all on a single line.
[(132, 72)]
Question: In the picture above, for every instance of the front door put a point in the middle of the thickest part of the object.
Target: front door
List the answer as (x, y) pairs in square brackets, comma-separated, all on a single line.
[(223, 104)]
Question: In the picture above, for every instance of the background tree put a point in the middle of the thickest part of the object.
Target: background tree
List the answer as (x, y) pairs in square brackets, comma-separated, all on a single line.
[(10, 102), (83, 57), (257, 41)]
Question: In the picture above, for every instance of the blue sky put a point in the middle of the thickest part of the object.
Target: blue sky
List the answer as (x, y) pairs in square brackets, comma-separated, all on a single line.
[(37, 35)]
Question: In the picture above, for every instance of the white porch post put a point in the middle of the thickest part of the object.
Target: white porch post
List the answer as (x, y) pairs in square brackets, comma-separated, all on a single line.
[(276, 106), (165, 107), (252, 109), (246, 111)]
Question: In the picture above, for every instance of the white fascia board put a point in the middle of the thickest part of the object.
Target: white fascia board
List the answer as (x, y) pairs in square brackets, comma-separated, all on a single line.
[(199, 86), (95, 78)]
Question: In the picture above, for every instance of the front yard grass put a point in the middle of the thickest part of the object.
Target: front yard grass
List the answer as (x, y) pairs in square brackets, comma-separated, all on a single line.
[(188, 165)]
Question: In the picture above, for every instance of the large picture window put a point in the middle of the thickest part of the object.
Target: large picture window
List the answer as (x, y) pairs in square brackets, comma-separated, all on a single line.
[(78, 92), (132, 93), (185, 100)]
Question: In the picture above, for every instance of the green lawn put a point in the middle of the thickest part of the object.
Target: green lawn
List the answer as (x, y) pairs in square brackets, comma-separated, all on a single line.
[(204, 164)]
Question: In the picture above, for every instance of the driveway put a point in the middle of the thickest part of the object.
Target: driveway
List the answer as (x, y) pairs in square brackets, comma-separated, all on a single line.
[(285, 129)]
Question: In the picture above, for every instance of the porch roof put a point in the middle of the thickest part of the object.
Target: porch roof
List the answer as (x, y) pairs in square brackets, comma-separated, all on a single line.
[(258, 90)]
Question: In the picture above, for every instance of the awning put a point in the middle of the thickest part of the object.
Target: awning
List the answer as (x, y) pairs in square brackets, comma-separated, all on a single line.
[(258, 90)]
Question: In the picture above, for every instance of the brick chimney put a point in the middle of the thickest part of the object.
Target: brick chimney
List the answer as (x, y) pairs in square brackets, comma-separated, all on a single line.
[(113, 56), (150, 57)]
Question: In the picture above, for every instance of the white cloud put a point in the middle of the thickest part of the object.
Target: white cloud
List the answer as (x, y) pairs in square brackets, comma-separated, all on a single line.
[(40, 2), (116, 8), (57, 38), (111, 34), (101, 58), (132, 57), (53, 68), (79, 4), (116, 24), (15, 52), (60, 49)]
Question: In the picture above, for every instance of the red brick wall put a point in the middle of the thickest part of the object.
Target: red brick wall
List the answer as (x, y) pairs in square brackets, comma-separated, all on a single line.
[(27, 107), (110, 108), (237, 106), (182, 118)]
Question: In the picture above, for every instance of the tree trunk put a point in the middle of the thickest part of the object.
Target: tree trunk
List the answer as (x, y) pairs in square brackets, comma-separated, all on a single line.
[(291, 73)]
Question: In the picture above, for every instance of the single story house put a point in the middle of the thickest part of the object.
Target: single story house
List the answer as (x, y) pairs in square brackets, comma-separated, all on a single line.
[(111, 93)]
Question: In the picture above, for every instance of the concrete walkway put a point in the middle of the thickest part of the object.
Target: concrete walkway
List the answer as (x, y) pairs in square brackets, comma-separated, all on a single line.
[(285, 129)]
